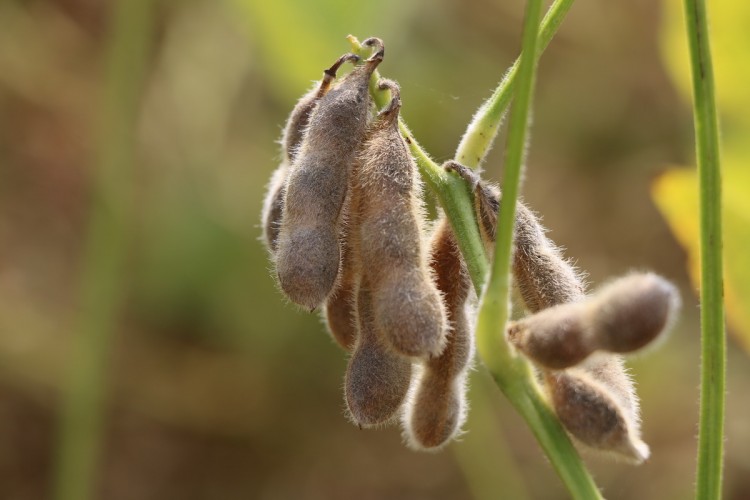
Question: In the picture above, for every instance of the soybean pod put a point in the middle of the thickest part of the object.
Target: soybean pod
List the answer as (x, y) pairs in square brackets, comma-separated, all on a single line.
[(308, 253)]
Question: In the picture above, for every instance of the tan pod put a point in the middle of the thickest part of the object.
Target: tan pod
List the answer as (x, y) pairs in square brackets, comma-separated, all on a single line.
[(595, 401), (377, 379), (407, 305), (294, 131), (622, 317), (437, 406), (596, 416), (308, 253)]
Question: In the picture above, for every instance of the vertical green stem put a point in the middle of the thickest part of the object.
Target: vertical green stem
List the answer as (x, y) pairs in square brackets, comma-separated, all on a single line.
[(512, 373), (713, 341), (104, 253)]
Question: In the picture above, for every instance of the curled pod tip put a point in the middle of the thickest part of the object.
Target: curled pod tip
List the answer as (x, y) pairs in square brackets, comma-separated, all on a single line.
[(394, 106), (379, 49)]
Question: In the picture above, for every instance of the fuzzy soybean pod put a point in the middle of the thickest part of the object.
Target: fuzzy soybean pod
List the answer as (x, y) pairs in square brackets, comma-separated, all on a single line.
[(377, 379), (308, 250), (543, 277), (437, 404), (407, 305), (622, 317), (291, 139), (595, 415), (595, 401)]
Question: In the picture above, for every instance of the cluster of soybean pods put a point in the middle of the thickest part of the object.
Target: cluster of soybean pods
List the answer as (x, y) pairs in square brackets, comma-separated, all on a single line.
[(347, 232)]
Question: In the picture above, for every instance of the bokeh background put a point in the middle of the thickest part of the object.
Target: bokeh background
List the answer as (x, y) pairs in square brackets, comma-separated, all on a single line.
[(213, 386)]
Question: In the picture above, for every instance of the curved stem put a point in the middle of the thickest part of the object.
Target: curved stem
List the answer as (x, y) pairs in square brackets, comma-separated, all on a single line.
[(484, 127), (713, 339), (512, 373)]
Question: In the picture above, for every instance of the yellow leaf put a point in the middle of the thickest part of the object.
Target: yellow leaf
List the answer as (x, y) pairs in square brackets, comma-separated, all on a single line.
[(676, 195)]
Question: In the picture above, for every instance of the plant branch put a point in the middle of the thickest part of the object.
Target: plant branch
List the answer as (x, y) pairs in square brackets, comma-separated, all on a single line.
[(713, 340), (512, 373), (484, 127), (104, 255)]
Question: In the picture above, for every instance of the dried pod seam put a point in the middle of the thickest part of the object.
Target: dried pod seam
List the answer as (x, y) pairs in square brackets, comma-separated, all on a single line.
[(407, 305), (308, 253)]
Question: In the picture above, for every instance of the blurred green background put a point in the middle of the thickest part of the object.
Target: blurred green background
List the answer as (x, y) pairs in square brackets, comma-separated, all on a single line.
[(215, 388)]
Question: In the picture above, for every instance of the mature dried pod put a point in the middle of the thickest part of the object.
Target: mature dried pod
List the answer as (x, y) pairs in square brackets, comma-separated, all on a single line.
[(299, 118), (543, 277), (624, 316), (594, 416), (377, 379), (308, 253), (294, 131), (437, 406), (595, 401), (406, 303)]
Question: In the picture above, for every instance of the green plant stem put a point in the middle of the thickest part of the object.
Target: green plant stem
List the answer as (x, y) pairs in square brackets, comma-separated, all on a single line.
[(713, 340), (512, 373), (484, 127), (104, 254)]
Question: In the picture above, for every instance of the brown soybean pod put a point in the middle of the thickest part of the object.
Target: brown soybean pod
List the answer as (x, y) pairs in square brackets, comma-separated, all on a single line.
[(545, 280), (290, 141), (594, 415), (407, 305), (632, 311), (622, 317), (377, 379), (542, 276), (308, 253), (437, 407)]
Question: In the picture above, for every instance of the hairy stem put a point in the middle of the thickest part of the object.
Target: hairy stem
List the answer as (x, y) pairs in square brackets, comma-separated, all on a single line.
[(713, 340), (484, 127), (512, 373), (100, 287)]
